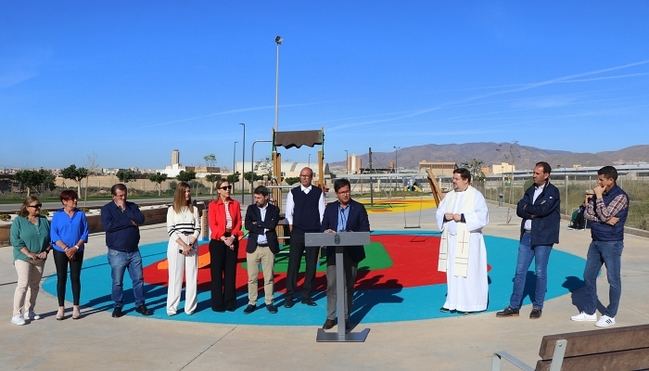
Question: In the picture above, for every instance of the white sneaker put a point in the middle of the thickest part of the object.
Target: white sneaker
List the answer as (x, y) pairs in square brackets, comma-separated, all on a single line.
[(17, 320), (605, 321), (583, 316), (29, 316)]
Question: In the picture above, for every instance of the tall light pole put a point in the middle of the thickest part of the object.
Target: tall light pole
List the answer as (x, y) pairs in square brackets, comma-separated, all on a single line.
[(396, 159), (347, 161), (243, 161), (278, 42)]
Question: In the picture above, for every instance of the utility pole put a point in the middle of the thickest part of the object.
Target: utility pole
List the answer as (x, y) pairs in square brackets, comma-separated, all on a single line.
[(371, 179)]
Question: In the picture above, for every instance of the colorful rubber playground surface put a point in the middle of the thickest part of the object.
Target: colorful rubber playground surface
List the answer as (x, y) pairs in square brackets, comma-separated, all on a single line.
[(398, 281)]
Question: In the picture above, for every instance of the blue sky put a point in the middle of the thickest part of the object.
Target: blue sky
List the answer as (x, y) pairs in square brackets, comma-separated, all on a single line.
[(126, 82)]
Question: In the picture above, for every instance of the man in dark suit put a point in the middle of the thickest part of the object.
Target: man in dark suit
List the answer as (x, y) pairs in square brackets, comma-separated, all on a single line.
[(261, 220), (348, 215)]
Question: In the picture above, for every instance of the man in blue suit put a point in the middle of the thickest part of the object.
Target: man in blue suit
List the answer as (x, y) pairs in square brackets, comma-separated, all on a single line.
[(342, 215), (539, 210)]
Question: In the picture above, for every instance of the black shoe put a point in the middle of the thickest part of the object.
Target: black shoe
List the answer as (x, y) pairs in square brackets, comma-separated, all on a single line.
[(348, 326), (288, 302), (249, 309), (309, 302), (143, 310), (507, 312), (329, 324), (535, 313), (444, 310), (271, 308), (231, 308), (117, 312), (218, 308)]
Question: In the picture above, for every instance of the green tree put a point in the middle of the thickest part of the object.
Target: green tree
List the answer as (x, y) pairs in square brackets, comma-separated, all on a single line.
[(125, 175), (233, 178), (76, 174), (186, 176), (291, 180), (158, 179), (251, 176), (47, 180), (213, 178), (210, 159), (29, 179)]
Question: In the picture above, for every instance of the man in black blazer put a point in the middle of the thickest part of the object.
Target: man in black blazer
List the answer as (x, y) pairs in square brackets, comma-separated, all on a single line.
[(348, 215), (261, 220)]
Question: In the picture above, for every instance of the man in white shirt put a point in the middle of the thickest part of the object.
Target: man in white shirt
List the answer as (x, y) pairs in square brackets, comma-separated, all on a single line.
[(305, 207)]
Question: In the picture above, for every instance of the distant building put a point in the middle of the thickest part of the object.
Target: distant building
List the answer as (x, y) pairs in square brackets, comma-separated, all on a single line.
[(503, 167), (354, 164), (176, 167), (439, 168)]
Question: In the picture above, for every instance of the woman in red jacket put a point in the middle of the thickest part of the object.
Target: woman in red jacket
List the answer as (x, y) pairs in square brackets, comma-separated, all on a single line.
[(224, 219)]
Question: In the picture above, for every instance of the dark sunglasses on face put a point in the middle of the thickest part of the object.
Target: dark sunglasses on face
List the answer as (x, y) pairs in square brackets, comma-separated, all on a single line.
[(36, 206), (226, 188)]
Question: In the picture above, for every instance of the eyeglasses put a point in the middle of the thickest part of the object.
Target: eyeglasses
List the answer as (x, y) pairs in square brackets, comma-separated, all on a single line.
[(226, 188), (37, 206)]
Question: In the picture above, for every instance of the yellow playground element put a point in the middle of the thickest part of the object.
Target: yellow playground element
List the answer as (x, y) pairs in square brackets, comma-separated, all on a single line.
[(400, 205)]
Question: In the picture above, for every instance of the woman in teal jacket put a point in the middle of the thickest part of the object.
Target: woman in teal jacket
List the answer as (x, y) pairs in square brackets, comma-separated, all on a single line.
[(30, 238)]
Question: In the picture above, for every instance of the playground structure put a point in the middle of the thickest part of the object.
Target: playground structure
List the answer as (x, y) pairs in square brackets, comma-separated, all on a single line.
[(295, 139)]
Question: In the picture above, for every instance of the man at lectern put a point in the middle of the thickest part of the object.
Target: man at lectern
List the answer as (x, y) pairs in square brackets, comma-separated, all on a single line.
[(343, 215)]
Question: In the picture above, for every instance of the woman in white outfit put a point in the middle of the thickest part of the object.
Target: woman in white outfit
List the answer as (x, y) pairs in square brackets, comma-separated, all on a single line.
[(183, 226)]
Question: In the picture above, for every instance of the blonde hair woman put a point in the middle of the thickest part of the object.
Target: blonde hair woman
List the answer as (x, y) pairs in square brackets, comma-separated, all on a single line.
[(183, 227)]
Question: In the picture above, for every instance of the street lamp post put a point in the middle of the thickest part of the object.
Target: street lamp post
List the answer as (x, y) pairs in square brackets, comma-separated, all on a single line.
[(278, 42), (234, 160), (243, 160), (396, 159)]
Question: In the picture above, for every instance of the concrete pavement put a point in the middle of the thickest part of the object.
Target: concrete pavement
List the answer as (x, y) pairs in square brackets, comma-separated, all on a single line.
[(100, 342)]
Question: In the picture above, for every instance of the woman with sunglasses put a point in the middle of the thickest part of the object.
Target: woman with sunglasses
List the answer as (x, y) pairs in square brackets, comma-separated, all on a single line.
[(224, 219), (183, 227), (69, 235), (30, 238)]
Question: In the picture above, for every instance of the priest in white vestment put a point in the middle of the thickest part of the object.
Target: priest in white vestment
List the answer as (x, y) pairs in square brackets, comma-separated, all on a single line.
[(463, 256)]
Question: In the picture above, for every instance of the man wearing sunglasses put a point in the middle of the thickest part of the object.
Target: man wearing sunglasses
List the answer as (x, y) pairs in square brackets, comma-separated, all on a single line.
[(305, 207)]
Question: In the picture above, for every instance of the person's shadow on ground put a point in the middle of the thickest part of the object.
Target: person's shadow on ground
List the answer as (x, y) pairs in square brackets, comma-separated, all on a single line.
[(365, 300), (579, 295)]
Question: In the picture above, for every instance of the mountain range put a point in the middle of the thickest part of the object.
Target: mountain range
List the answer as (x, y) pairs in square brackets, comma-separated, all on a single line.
[(495, 153)]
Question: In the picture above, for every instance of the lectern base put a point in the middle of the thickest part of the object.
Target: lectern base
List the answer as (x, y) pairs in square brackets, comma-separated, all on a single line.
[(350, 337)]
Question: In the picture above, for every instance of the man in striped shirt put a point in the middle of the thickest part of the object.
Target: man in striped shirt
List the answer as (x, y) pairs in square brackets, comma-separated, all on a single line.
[(607, 211)]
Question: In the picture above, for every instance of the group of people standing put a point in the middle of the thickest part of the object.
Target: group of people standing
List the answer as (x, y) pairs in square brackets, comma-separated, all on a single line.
[(32, 238), (463, 214)]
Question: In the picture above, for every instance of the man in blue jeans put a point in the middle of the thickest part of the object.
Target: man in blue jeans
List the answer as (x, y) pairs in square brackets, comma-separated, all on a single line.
[(606, 210), (539, 209), (121, 220)]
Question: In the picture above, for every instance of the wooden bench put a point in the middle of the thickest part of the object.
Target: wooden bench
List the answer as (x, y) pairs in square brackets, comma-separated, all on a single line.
[(618, 348)]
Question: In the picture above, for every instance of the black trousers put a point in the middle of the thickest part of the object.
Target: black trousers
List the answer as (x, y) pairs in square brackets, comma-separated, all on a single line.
[(223, 270), (296, 250), (61, 262)]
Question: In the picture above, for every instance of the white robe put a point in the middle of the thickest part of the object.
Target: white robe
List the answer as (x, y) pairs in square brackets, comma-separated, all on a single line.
[(470, 293)]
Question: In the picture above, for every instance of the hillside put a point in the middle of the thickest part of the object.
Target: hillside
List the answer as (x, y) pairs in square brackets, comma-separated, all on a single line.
[(493, 153)]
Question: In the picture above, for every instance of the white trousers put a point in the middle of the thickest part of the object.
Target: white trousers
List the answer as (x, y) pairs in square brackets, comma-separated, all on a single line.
[(29, 279), (180, 267)]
